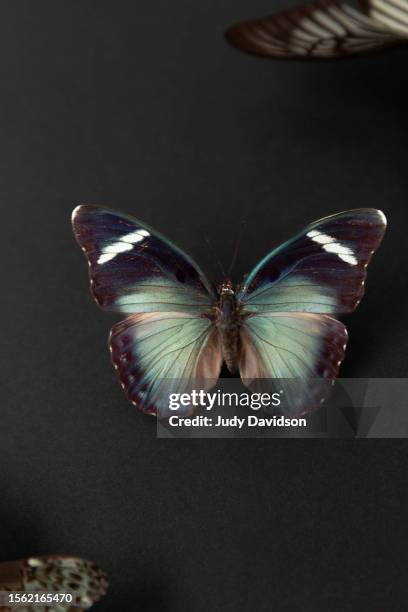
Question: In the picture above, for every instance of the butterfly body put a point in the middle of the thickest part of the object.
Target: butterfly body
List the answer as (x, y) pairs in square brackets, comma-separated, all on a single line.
[(279, 324), (228, 322)]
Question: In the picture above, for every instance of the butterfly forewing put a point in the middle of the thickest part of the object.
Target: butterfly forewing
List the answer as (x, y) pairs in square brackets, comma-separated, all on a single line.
[(134, 269), (322, 269)]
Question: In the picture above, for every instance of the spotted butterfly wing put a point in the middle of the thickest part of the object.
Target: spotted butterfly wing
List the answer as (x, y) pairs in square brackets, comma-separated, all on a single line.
[(82, 579), (290, 301), (168, 339), (324, 29)]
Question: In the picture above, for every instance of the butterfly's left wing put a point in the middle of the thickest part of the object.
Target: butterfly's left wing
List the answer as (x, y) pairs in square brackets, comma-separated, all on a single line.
[(290, 299), (84, 580), (169, 340), (322, 29)]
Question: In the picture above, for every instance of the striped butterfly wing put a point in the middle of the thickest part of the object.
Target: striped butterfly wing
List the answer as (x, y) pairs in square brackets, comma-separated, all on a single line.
[(168, 339), (391, 13), (291, 298), (323, 29), (56, 574)]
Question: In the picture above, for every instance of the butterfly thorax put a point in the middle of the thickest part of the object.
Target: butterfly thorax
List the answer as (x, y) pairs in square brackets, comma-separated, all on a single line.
[(228, 322)]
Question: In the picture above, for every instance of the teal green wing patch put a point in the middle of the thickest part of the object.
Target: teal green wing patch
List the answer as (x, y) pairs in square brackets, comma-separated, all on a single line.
[(162, 294), (293, 294), (299, 353), (160, 353)]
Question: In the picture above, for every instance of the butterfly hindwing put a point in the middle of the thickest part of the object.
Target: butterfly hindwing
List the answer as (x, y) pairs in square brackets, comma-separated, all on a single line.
[(289, 296), (294, 351), (323, 29), (157, 354)]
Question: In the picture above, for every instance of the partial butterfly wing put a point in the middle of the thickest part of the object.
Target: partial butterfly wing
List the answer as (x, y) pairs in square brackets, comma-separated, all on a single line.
[(169, 339), (289, 299), (323, 29), (56, 574), (391, 13)]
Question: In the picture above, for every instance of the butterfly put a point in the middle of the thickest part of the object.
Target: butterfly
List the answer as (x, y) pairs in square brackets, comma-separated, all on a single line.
[(324, 29), (179, 328), (84, 580)]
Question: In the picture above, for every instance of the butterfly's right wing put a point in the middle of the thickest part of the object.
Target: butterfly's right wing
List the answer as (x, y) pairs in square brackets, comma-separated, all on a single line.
[(322, 29), (290, 301), (56, 574)]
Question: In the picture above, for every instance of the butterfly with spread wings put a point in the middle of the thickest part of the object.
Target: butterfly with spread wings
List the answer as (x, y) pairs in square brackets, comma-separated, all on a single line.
[(324, 29), (57, 575), (280, 324)]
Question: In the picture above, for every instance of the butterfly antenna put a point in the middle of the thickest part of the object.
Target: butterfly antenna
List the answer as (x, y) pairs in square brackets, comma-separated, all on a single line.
[(237, 245), (215, 256)]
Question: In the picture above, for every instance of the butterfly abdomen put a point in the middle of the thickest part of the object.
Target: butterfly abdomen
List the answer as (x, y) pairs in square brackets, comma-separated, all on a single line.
[(228, 323)]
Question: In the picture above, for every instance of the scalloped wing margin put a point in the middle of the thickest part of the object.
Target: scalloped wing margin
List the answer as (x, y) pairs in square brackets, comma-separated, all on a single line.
[(159, 354)]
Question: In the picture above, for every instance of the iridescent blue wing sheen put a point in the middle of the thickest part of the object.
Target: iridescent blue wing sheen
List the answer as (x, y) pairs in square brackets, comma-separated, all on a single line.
[(287, 299), (134, 269), (169, 339)]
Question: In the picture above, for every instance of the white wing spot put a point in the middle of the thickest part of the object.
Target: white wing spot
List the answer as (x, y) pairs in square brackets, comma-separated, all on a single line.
[(135, 236), (330, 245), (126, 243), (106, 257), (34, 562)]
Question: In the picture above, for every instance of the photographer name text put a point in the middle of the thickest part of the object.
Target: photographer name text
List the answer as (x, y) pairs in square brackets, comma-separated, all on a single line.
[(236, 422)]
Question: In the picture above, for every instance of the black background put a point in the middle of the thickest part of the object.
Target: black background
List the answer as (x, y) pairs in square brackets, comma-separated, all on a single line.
[(142, 106)]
